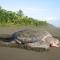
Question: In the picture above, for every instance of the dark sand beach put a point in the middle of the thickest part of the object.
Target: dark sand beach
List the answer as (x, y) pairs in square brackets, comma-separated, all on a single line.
[(7, 53), (22, 54)]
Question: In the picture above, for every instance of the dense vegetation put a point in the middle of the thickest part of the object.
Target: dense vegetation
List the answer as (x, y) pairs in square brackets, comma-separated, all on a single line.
[(18, 18)]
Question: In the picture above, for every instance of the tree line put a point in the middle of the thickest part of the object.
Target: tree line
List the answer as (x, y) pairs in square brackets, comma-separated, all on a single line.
[(10, 17)]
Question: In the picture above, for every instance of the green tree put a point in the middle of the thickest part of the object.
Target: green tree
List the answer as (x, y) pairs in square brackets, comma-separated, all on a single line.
[(20, 13)]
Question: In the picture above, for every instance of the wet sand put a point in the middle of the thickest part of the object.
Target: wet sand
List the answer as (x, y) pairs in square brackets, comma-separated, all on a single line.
[(7, 53), (22, 54)]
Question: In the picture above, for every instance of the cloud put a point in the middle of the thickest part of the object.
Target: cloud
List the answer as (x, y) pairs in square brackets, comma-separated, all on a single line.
[(33, 10), (50, 18)]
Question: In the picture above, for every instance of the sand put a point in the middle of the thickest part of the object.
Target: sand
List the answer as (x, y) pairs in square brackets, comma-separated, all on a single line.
[(22, 54)]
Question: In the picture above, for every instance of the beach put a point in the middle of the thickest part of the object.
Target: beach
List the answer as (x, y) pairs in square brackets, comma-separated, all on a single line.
[(8, 53), (22, 54)]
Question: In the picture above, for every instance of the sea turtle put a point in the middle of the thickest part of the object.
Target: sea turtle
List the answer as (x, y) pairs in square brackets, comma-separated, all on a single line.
[(33, 38)]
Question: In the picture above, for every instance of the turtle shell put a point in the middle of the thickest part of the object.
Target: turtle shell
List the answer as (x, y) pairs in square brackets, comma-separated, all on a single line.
[(29, 35)]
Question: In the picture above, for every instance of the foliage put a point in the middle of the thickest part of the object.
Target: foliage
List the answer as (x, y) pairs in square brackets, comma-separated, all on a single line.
[(13, 18), (20, 13)]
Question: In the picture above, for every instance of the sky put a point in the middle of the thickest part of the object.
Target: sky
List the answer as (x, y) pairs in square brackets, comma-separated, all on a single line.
[(48, 10)]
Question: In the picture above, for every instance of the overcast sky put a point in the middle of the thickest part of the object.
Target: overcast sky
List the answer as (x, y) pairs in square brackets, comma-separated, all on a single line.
[(40, 9)]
